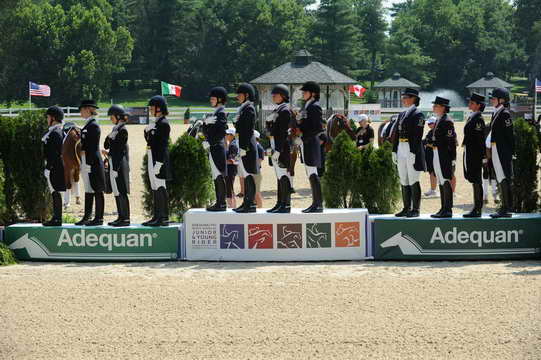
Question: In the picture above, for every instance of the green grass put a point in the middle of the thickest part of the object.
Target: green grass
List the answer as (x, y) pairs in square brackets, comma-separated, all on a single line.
[(6, 256), (69, 219)]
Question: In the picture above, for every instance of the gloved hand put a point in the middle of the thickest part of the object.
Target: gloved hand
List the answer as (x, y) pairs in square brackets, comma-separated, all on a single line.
[(157, 167), (395, 158), (275, 156), (46, 173), (514, 157), (485, 161), (242, 153), (271, 117), (297, 141), (453, 163), (210, 120), (206, 145), (114, 173)]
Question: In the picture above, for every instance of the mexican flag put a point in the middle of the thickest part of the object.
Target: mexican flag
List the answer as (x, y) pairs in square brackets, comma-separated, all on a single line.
[(358, 90), (170, 89)]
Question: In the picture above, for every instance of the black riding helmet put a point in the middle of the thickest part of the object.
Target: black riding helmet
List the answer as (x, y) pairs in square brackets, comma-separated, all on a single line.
[(282, 90), (311, 86), (159, 101), (246, 88), (220, 93), (117, 111), (501, 93), (56, 112)]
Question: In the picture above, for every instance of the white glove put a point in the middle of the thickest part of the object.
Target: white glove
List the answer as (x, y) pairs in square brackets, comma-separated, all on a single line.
[(395, 159), (210, 120), (485, 161), (271, 117), (115, 173), (46, 173), (275, 156), (206, 145), (297, 141), (268, 152), (242, 153), (157, 167), (453, 163), (412, 156)]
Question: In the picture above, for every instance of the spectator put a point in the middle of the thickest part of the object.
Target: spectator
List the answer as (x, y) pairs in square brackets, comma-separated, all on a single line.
[(365, 133), (232, 151)]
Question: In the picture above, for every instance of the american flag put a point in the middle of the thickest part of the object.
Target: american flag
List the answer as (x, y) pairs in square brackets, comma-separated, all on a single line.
[(39, 90), (537, 86)]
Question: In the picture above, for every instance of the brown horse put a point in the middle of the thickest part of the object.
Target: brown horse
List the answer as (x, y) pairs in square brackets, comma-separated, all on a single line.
[(335, 125), (71, 155)]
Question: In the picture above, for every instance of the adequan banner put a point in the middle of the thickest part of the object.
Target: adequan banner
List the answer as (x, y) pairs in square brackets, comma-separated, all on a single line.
[(458, 238), (332, 235), (35, 242)]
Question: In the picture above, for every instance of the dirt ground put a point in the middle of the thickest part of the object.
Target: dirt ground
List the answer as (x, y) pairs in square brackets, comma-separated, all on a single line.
[(343, 310), (301, 199)]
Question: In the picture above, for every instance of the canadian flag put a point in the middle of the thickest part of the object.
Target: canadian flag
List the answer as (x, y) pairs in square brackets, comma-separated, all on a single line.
[(358, 90)]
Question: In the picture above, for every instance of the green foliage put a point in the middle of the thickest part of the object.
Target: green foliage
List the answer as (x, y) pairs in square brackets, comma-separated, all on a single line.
[(342, 168), (191, 185), (360, 178), (452, 43), (378, 182), (6, 255), (25, 188), (69, 219), (335, 38), (74, 49), (525, 168)]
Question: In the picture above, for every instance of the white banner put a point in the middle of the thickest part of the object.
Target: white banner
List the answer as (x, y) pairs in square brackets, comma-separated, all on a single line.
[(372, 110), (336, 234)]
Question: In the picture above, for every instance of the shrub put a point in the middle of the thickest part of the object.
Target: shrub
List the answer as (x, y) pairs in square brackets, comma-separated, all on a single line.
[(525, 167), (6, 255)]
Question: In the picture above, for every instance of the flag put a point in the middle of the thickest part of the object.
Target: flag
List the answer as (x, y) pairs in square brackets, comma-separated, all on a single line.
[(358, 90), (537, 86), (170, 89), (39, 90)]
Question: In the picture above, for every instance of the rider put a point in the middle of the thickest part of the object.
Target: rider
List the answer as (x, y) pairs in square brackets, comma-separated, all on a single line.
[(214, 127)]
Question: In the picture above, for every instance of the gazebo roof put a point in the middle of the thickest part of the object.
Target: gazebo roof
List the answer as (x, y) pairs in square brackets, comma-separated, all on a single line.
[(490, 81), (397, 81), (301, 70)]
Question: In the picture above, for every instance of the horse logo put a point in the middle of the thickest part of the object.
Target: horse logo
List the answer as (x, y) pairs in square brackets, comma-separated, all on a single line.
[(260, 236), (232, 236), (289, 236), (318, 235), (348, 234)]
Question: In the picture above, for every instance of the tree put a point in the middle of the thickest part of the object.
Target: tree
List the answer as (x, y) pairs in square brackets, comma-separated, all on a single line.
[(335, 40), (371, 26), (74, 51)]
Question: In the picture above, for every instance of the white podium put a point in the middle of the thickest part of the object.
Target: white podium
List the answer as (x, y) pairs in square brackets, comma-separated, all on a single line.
[(335, 234)]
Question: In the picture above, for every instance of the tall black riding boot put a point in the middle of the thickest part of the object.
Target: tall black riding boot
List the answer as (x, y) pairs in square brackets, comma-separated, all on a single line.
[(506, 198), (447, 200), (279, 197), (248, 206), (124, 211), (118, 210), (163, 208), (415, 200), (285, 200), (477, 201), (89, 204), (317, 198), (154, 209), (406, 200), (442, 203), (219, 188), (57, 210), (100, 207)]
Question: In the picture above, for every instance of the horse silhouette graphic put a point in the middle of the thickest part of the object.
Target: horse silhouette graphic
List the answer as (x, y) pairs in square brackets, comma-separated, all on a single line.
[(315, 237), (347, 234), (259, 237), (231, 237), (34, 247), (290, 236)]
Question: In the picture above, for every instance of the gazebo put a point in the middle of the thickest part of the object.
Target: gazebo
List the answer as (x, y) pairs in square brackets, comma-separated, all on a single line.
[(389, 90), (486, 84), (334, 85)]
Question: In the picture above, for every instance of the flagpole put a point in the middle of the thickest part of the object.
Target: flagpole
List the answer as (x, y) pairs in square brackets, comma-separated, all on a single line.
[(29, 97), (534, 101)]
